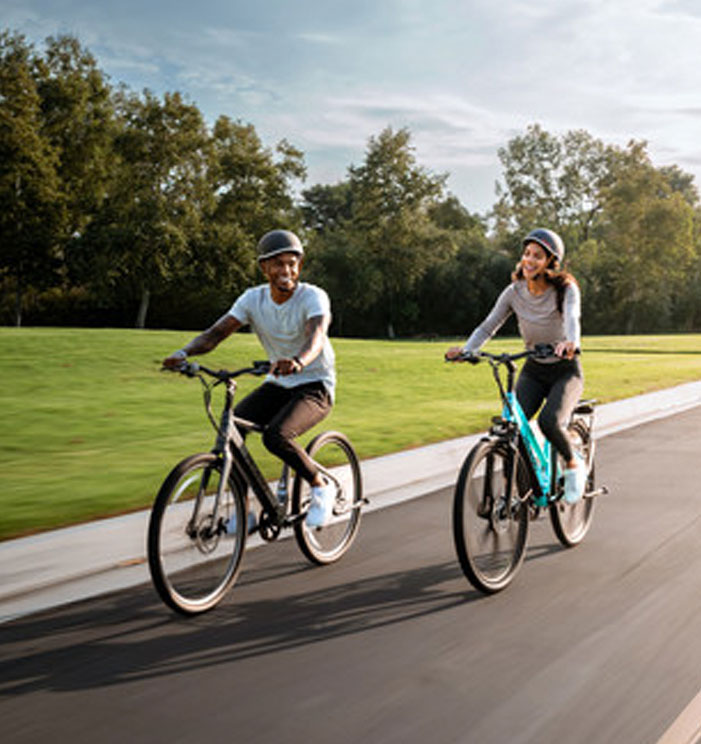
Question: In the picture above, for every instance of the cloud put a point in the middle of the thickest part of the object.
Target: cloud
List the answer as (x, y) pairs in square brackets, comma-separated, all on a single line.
[(464, 77), (321, 38)]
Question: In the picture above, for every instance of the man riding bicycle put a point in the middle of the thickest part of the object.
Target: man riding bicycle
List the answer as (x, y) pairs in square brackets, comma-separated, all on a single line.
[(291, 320)]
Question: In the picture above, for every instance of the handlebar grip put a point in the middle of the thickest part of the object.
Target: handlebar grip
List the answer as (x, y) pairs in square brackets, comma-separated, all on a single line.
[(184, 368), (468, 356), (261, 367)]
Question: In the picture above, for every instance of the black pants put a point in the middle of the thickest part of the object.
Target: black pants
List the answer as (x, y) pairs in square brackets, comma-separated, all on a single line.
[(560, 385), (286, 413)]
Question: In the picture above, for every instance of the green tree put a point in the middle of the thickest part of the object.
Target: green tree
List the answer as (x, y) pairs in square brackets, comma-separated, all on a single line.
[(391, 224), (251, 190), (373, 237), (79, 121), (681, 183), (627, 225), (337, 261), (32, 214), (551, 181), (646, 243), (327, 207), (143, 235), (335, 258), (455, 295)]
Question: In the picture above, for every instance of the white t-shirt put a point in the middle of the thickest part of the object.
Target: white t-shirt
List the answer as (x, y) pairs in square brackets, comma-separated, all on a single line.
[(280, 329)]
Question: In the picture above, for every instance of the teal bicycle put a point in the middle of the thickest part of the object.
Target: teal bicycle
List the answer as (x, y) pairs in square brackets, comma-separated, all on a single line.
[(509, 477)]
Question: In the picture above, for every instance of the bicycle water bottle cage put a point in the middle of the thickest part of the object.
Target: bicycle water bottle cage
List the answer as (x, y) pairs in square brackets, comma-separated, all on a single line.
[(501, 427)]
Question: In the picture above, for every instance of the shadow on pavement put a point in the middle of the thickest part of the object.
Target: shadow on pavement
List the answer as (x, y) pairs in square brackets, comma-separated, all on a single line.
[(131, 636)]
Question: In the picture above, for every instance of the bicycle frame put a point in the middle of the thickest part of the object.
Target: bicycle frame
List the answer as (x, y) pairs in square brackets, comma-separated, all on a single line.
[(541, 458), (238, 462), (230, 445)]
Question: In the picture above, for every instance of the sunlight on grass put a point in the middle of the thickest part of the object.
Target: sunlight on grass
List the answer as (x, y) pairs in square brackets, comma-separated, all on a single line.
[(92, 426)]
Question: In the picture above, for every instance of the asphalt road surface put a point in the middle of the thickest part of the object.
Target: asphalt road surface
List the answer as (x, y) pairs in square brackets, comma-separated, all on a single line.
[(601, 643)]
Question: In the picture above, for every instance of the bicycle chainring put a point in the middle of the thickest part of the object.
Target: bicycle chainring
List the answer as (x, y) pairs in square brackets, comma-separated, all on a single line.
[(269, 530)]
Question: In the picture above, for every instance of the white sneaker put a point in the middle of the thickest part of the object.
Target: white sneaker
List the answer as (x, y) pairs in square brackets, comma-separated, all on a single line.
[(231, 523), (321, 509), (575, 481)]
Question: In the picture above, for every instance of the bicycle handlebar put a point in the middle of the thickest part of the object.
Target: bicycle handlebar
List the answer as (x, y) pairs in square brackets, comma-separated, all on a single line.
[(193, 369), (540, 351)]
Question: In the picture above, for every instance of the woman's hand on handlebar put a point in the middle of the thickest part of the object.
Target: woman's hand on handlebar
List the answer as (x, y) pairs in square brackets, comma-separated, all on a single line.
[(458, 354), (453, 353)]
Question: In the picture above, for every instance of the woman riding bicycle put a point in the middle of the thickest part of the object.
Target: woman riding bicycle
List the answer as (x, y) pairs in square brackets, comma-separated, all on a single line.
[(546, 301)]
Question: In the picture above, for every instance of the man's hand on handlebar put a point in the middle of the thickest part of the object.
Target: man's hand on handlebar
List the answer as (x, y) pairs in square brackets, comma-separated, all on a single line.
[(176, 360), (283, 367), (565, 349)]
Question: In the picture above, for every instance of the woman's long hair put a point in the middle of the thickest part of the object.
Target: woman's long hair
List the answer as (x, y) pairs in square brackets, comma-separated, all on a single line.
[(554, 274)]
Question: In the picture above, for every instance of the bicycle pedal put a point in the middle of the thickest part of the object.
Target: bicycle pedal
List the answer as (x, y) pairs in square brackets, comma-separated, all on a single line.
[(601, 491)]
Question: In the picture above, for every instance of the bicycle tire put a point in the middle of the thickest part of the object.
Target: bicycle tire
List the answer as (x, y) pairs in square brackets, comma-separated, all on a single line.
[(571, 522), (194, 564), (324, 545), (490, 539)]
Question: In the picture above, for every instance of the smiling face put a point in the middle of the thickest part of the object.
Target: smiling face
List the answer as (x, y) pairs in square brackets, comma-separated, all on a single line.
[(282, 272), (534, 261)]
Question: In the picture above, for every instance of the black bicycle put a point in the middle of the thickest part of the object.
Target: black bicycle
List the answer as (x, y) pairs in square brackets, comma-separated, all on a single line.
[(200, 518), (509, 477)]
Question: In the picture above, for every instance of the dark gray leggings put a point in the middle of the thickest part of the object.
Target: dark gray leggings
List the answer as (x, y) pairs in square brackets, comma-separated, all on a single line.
[(560, 385), (286, 413)]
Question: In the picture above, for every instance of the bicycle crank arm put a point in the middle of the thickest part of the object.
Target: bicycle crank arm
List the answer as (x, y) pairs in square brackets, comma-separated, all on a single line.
[(602, 491), (292, 519)]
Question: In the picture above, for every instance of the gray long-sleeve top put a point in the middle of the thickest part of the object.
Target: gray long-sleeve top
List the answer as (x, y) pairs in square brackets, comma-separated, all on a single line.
[(539, 320)]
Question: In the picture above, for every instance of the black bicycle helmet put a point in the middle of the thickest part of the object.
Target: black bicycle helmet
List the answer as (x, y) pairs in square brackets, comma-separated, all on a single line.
[(278, 241), (548, 240)]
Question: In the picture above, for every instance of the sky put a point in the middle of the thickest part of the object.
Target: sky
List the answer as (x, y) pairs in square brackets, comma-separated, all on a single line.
[(464, 76)]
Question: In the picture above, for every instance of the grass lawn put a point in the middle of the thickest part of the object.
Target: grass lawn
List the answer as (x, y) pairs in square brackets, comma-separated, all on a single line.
[(91, 426)]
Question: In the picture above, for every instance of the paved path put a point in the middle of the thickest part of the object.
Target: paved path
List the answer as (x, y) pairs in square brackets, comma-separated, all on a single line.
[(596, 645), (78, 562)]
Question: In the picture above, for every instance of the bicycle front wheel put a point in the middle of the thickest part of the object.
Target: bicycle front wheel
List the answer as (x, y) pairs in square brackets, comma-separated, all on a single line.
[(336, 456), (571, 522), (490, 525), (192, 557)]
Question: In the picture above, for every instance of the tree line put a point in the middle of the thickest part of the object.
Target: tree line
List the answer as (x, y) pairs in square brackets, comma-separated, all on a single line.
[(124, 208)]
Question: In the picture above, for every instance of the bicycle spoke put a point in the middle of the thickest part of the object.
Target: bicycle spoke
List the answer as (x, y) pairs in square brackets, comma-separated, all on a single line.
[(192, 557), (490, 542), (335, 454)]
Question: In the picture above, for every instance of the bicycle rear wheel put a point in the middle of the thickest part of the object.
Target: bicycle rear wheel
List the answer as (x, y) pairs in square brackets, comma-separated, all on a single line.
[(571, 522), (193, 561), (490, 525), (335, 454)]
